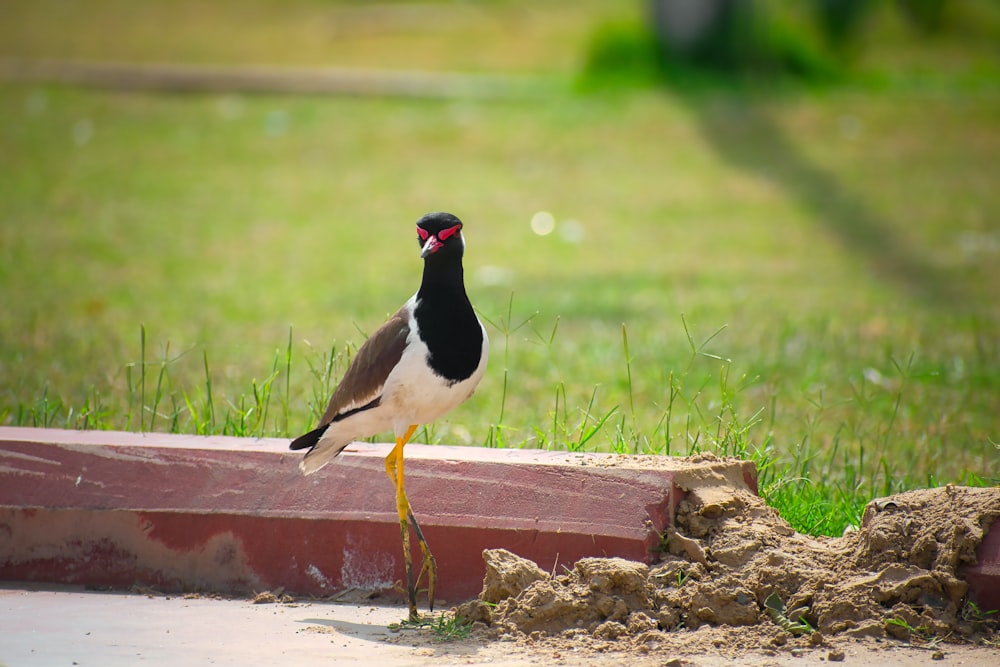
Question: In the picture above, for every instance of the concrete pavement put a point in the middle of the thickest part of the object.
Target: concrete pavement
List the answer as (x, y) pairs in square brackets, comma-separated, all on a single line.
[(72, 626)]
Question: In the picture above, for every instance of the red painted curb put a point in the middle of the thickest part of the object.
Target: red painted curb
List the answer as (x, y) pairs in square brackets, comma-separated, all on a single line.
[(984, 577), (236, 515)]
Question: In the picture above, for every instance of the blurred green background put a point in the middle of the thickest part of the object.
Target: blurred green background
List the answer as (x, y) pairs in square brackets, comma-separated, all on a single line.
[(792, 218)]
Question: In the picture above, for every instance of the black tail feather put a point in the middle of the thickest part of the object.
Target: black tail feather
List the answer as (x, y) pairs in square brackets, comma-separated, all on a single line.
[(309, 439)]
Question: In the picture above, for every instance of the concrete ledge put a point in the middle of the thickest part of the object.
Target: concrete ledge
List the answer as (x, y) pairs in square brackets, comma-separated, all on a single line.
[(172, 77), (236, 515)]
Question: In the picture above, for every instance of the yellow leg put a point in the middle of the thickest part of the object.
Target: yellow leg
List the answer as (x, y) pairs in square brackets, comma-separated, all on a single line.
[(394, 468)]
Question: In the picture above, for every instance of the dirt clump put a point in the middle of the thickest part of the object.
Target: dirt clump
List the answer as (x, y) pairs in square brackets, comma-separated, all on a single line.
[(734, 570), (507, 575)]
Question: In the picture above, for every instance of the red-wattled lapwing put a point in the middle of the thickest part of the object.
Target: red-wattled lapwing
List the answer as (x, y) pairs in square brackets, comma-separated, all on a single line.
[(423, 362)]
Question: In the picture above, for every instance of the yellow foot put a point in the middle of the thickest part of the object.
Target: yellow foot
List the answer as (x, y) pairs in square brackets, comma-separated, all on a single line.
[(394, 469), (429, 565)]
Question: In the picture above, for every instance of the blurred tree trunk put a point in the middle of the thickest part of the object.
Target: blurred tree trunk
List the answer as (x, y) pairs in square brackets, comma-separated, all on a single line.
[(697, 30)]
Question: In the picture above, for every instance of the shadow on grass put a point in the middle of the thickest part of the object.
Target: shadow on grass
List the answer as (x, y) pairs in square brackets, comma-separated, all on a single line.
[(746, 136)]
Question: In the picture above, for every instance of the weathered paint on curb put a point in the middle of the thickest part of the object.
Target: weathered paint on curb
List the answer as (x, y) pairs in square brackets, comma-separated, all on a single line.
[(236, 515)]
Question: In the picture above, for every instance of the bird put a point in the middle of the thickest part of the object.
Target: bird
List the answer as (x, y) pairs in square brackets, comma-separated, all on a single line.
[(423, 362)]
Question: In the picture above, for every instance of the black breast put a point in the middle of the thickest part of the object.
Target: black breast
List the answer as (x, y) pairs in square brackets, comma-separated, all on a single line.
[(454, 338)]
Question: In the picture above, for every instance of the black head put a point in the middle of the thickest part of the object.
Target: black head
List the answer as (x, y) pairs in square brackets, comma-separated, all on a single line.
[(440, 235)]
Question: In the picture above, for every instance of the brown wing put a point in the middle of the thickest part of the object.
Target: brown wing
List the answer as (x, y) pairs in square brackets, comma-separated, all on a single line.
[(365, 377)]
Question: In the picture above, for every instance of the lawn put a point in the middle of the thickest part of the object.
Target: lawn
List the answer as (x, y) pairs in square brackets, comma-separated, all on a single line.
[(804, 275)]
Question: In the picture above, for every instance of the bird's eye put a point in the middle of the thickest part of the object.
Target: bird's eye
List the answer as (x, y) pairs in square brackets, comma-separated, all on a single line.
[(422, 233), (444, 234)]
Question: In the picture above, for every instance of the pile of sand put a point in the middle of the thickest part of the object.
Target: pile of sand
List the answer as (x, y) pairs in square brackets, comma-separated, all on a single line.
[(732, 559)]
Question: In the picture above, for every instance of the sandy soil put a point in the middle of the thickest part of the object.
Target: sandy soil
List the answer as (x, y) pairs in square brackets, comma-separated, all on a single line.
[(735, 582)]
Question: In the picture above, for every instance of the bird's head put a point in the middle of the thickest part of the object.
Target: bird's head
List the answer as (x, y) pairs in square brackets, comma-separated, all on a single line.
[(440, 235)]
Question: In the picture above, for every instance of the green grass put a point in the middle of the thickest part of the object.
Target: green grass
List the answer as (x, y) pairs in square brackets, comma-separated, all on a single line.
[(805, 277), (500, 34), (444, 627)]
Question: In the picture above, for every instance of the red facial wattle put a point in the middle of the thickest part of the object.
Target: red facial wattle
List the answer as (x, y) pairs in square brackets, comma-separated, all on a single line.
[(445, 234), (434, 242)]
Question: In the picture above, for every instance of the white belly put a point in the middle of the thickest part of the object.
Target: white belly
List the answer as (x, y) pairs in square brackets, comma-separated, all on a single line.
[(414, 394)]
